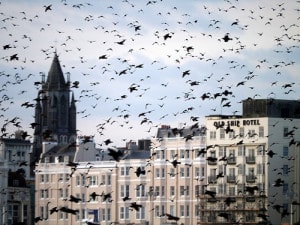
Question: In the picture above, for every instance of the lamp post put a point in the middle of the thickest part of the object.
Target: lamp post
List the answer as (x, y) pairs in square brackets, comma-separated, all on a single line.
[(291, 219), (291, 194)]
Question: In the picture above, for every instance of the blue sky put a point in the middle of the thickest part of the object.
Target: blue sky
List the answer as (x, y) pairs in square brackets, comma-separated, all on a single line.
[(171, 75)]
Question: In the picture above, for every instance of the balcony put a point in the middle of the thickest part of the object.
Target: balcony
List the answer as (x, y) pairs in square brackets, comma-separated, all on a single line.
[(230, 200), (211, 219), (250, 178), (231, 179), (212, 179), (212, 200), (231, 160), (212, 162), (250, 159), (250, 199), (250, 219)]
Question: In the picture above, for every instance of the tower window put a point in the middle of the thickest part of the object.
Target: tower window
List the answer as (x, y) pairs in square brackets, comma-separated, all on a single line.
[(63, 139)]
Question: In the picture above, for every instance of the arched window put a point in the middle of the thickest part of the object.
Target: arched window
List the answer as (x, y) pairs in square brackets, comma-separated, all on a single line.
[(63, 139), (63, 111), (53, 103)]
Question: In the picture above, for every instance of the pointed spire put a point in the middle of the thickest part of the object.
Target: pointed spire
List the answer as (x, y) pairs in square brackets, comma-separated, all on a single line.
[(56, 80), (73, 100)]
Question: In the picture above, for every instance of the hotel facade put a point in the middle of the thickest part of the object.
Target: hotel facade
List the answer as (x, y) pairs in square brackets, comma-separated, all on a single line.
[(105, 191), (234, 170), (256, 174)]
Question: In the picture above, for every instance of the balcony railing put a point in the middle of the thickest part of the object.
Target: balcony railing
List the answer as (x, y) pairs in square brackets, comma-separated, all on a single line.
[(250, 179), (212, 162), (250, 219), (250, 199), (250, 159), (212, 200), (211, 219), (212, 179), (231, 160), (231, 179)]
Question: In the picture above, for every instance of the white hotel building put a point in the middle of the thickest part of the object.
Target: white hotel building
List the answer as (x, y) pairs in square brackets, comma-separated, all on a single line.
[(230, 159), (256, 171)]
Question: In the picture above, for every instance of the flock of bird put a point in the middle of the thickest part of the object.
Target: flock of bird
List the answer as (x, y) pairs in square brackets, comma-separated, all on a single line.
[(136, 65)]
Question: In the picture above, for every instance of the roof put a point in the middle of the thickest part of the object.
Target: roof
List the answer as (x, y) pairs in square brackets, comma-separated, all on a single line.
[(55, 79), (193, 130), (15, 141), (137, 154), (279, 108), (60, 151)]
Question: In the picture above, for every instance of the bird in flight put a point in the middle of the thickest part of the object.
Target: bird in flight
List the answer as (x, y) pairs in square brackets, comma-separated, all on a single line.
[(48, 7)]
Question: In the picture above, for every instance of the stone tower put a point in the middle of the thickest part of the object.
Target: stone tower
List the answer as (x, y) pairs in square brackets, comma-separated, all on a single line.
[(55, 111)]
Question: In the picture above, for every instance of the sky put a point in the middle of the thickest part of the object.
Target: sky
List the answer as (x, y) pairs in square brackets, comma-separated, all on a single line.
[(143, 64)]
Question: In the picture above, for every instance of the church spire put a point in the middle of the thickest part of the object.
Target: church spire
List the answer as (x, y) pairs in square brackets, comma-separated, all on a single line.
[(55, 112), (56, 80)]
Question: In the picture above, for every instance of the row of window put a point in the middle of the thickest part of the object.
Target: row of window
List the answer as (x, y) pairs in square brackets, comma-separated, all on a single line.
[(124, 213), (232, 135), (222, 151), (244, 151), (238, 189), (140, 191), (104, 214), (62, 177), (93, 180), (184, 210), (240, 168), (106, 179), (161, 172), (160, 191), (9, 155), (80, 180), (250, 134), (182, 154)]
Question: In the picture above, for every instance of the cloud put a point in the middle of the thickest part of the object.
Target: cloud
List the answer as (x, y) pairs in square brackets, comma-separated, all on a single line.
[(263, 48)]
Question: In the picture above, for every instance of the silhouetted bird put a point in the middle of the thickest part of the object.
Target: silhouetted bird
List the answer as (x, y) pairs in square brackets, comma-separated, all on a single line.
[(94, 195), (139, 171), (226, 38), (171, 217), (74, 199), (224, 215), (278, 182), (68, 210), (174, 162), (135, 206), (251, 189), (116, 154), (126, 198), (53, 210), (210, 193), (271, 153), (229, 200), (47, 7), (106, 196)]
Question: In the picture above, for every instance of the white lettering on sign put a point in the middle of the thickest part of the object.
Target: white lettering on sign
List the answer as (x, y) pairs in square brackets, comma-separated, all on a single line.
[(236, 123)]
